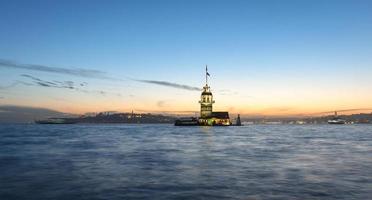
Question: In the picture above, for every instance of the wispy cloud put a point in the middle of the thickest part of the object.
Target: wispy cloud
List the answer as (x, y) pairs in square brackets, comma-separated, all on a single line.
[(54, 84), (86, 73), (66, 85), (164, 103), (170, 84), (160, 104)]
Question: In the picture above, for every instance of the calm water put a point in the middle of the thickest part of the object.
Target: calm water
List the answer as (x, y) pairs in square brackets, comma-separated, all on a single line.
[(167, 162)]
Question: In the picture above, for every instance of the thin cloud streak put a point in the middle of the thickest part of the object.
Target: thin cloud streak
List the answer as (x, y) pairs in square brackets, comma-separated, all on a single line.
[(56, 84), (86, 73), (66, 85), (170, 84), (160, 103)]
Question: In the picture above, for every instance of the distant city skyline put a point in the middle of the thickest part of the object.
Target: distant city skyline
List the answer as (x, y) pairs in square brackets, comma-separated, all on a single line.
[(268, 58)]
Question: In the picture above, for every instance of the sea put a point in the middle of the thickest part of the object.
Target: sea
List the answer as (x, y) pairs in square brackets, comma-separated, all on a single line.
[(252, 162)]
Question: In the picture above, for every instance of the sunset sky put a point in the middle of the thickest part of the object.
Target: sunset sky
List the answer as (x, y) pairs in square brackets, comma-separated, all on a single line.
[(264, 57)]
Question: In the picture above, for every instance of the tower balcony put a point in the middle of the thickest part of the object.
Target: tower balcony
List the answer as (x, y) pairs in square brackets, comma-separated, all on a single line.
[(204, 102)]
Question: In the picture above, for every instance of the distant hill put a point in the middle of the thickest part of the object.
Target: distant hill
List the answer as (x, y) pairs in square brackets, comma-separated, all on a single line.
[(129, 118), (24, 114)]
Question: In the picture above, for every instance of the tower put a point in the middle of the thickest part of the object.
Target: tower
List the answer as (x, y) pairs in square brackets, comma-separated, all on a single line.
[(206, 98)]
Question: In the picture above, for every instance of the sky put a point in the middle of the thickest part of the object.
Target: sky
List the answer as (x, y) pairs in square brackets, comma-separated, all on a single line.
[(264, 57)]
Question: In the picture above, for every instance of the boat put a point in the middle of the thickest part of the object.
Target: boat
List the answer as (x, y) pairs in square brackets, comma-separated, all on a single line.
[(336, 120), (187, 121), (56, 121)]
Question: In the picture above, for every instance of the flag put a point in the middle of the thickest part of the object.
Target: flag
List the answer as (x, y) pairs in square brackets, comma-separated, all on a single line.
[(206, 70)]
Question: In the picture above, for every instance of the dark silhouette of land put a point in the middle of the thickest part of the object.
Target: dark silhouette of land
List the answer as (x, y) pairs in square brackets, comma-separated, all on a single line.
[(129, 118), (23, 114)]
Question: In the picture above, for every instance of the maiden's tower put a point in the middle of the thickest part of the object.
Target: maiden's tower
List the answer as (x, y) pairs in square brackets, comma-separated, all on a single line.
[(207, 116)]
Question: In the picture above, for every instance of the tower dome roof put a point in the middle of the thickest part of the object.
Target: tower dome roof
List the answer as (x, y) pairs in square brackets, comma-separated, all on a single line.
[(206, 90)]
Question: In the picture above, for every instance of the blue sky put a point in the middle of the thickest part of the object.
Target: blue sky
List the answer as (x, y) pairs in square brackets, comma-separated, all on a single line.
[(266, 57)]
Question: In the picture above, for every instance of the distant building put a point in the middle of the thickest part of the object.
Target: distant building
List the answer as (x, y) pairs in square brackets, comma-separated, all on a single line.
[(207, 116)]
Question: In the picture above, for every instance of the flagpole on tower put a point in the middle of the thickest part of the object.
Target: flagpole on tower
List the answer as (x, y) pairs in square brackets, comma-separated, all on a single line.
[(206, 74)]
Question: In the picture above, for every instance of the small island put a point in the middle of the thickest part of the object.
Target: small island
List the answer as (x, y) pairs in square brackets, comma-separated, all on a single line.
[(207, 116)]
